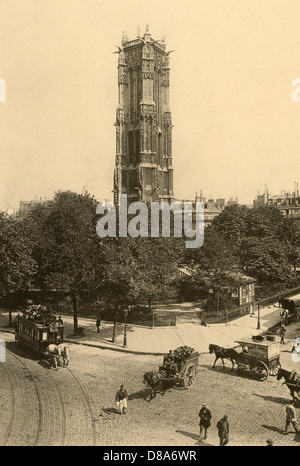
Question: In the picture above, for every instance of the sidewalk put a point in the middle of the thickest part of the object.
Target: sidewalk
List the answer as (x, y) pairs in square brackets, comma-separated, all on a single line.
[(159, 341)]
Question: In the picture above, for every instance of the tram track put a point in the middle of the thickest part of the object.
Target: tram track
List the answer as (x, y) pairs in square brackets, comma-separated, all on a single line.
[(63, 417), (39, 400), (46, 435), (9, 427), (63, 411), (88, 404)]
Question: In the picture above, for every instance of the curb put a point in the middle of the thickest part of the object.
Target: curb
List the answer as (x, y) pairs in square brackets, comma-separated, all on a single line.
[(122, 350), (113, 348)]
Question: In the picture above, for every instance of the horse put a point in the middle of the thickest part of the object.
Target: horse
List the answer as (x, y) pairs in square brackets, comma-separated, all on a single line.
[(292, 381), (224, 353), (157, 382), (53, 353), (64, 353)]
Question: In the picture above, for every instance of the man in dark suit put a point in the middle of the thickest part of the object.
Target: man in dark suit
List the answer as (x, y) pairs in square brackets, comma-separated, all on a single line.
[(205, 417), (223, 430), (98, 323)]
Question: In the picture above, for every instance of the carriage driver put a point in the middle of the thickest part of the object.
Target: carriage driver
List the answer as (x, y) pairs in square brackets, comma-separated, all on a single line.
[(170, 364)]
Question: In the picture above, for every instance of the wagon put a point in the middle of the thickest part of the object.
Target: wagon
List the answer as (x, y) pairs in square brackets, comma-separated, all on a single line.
[(259, 358), (186, 375), (179, 369), (293, 306), (37, 329)]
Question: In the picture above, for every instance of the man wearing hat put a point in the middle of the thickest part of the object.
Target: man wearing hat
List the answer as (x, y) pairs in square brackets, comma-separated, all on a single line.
[(121, 399), (223, 430), (205, 417), (290, 417)]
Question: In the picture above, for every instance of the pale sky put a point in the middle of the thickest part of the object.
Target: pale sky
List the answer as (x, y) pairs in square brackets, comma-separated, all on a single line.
[(236, 127)]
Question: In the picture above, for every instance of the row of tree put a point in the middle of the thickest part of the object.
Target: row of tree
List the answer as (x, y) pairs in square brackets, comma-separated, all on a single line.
[(259, 242), (55, 247)]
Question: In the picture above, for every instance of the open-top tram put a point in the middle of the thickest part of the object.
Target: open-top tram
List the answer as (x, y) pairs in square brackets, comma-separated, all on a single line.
[(37, 328)]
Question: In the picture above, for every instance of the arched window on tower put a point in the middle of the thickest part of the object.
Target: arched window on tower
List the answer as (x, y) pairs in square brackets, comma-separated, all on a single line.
[(159, 148), (139, 85), (131, 84), (131, 147), (137, 145)]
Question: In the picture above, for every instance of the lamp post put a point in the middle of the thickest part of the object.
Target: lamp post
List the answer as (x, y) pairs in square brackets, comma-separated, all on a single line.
[(125, 311), (258, 316)]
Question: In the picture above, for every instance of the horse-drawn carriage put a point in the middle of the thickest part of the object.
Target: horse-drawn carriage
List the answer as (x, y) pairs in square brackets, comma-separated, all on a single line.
[(37, 328), (259, 358), (293, 307), (179, 370)]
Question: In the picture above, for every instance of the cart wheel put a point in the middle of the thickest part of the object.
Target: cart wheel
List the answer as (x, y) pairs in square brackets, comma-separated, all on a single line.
[(274, 369), (260, 370), (189, 376)]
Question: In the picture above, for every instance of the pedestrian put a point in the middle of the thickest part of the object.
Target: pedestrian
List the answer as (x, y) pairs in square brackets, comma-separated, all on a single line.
[(98, 323), (269, 443), (286, 317), (291, 417), (296, 345), (121, 399), (205, 417), (281, 332), (223, 430)]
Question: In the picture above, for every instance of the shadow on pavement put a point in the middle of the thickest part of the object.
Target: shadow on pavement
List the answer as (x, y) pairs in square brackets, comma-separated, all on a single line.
[(188, 434), (194, 437), (142, 394), (273, 428), (275, 399), (15, 348), (220, 369), (44, 364), (111, 411)]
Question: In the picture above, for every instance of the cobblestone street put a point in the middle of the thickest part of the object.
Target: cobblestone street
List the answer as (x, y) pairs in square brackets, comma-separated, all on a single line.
[(75, 405)]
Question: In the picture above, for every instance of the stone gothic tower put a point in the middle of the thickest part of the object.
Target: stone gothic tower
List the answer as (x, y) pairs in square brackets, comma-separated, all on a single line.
[(143, 168)]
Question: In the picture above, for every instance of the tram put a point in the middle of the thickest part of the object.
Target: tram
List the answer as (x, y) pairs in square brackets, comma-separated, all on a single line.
[(38, 327)]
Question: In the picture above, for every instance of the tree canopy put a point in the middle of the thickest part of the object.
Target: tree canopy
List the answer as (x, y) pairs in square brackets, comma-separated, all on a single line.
[(17, 266), (56, 247)]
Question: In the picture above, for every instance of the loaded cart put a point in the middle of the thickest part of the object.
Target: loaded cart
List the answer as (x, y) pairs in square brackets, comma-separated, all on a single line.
[(179, 369), (181, 364), (259, 357)]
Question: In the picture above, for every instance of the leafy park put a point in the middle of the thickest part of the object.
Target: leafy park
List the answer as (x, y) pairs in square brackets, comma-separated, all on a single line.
[(53, 255)]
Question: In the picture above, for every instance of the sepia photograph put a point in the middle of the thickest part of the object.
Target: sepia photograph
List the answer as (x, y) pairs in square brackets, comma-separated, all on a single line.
[(149, 225)]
